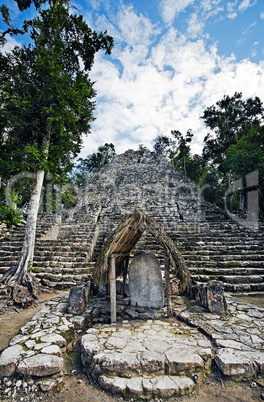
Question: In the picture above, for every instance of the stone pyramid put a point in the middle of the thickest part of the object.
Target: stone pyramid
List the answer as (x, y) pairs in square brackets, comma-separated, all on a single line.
[(142, 179), (214, 247)]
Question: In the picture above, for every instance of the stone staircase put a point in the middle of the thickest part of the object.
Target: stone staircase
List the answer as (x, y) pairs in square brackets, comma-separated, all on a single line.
[(58, 263), (227, 252), (213, 250), (213, 246), (223, 251)]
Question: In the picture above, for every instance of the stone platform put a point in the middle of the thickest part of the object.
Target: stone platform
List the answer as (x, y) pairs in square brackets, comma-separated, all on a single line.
[(138, 357), (156, 358)]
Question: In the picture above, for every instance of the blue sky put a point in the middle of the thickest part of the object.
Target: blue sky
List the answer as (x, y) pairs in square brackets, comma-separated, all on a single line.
[(171, 60)]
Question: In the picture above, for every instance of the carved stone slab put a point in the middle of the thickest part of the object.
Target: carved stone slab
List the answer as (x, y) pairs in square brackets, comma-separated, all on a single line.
[(145, 281)]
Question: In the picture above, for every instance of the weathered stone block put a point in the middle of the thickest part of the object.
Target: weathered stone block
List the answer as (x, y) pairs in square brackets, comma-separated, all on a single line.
[(89, 348), (235, 364), (185, 385), (134, 386), (78, 298), (182, 361), (8, 360), (165, 387), (56, 339), (145, 281), (116, 385), (51, 350), (40, 365), (152, 362), (119, 364), (216, 302), (210, 295)]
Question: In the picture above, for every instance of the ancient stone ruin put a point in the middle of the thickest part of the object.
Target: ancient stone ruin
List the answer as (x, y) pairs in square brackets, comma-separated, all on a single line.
[(213, 246), (139, 232), (145, 281)]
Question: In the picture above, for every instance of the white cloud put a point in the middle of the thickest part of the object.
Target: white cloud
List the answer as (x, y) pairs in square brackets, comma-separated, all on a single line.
[(150, 88), (135, 28), (231, 13), (262, 16), (195, 26), (170, 8), (246, 4), (10, 44)]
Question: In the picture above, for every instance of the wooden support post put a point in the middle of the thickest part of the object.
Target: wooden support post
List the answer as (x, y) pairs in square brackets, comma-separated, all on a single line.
[(167, 279), (112, 280), (126, 262)]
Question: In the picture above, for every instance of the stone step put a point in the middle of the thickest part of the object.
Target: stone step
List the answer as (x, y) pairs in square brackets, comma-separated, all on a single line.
[(60, 277), (65, 284), (60, 258), (233, 279), (227, 264), (252, 293), (252, 287), (197, 256), (70, 264), (233, 287), (226, 271), (63, 246)]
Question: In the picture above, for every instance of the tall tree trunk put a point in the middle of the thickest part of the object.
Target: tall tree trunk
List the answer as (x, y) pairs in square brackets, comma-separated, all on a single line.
[(18, 278)]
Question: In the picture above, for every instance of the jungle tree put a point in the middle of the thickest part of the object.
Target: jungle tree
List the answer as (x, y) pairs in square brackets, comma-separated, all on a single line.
[(46, 105), (229, 119)]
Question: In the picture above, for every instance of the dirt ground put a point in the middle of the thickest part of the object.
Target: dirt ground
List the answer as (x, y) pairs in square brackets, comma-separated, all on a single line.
[(78, 388)]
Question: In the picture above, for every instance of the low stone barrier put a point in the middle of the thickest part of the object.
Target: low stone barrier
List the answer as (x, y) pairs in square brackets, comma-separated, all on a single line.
[(37, 351), (148, 357), (210, 295)]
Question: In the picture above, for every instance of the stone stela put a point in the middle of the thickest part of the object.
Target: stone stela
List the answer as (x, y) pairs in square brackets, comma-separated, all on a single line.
[(145, 281)]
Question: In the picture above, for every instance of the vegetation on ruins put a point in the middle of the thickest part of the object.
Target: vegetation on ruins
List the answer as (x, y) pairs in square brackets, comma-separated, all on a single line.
[(47, 104), (178, 152), (94, 162), (229, 120), (235, 144), (233, 148)]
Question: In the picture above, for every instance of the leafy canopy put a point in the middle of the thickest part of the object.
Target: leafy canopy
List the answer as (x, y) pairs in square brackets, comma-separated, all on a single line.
[(228, 121), (46, 95)]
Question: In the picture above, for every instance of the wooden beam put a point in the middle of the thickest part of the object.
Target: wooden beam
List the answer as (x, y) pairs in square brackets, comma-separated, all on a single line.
[(112, 279), (167, 279)]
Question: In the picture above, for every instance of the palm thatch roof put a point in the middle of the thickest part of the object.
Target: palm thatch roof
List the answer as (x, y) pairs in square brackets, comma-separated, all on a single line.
[(123, 240)]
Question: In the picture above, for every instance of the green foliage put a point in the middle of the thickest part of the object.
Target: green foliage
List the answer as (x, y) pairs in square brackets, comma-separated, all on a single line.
[(9, 216), (235, 148), (11, 30), (228, 121), (32, 268), (69, 198), (46, 96), (22, 191), (94, 162), (165, 146), (247, 154), (213, 186), (142, 147), (178, 152), (195, 168), (183, 154)]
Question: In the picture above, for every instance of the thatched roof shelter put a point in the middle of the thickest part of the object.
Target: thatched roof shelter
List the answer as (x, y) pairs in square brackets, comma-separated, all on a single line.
[(123, 240)]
